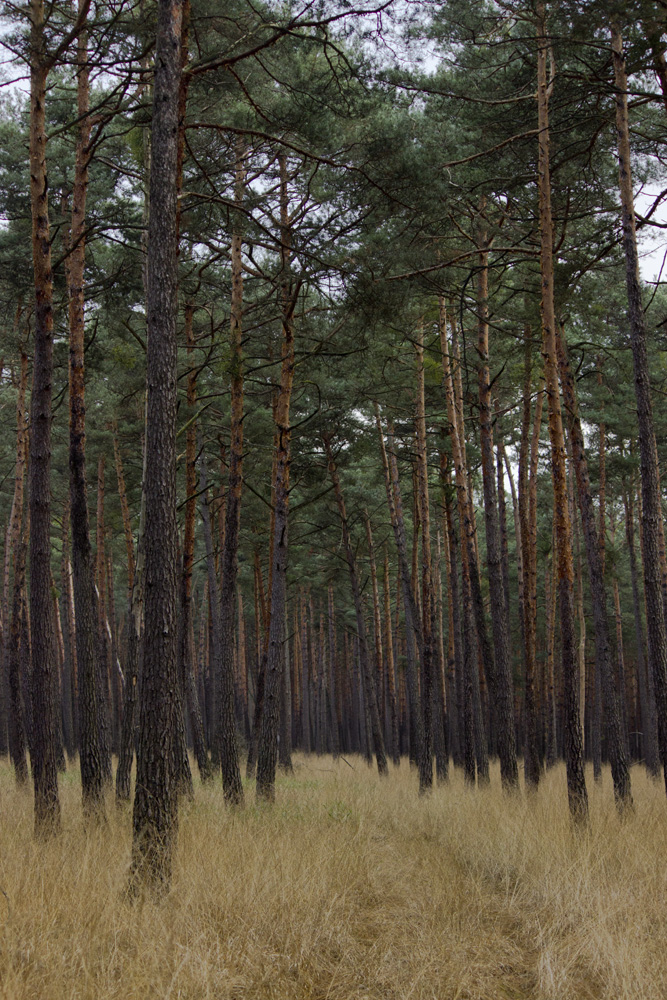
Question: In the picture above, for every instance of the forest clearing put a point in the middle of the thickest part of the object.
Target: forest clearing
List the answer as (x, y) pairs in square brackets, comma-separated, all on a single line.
[(347, 888)]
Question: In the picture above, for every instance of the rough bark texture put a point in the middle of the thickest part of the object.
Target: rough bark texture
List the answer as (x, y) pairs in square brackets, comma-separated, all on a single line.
[(576, 783), (43, 749), (155, 816), (92, 775)]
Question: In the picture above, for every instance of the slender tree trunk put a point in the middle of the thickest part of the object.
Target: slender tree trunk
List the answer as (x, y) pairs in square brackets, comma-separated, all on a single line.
[(229, 755), (90, 749), (413, 626), (17, 735), (367, 676), (501, 688), (470, 688), (652, 513), (377, 624), (155, 816), (135, 614), (391, 671), (428, 603), (267, 745), (576, 783), (102, 676), (646, 699)]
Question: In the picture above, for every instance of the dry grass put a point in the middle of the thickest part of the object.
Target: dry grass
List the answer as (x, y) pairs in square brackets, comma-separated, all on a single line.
[(347, 888)]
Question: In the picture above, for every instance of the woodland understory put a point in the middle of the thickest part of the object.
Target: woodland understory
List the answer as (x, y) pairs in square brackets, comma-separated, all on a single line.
[(332, 389)]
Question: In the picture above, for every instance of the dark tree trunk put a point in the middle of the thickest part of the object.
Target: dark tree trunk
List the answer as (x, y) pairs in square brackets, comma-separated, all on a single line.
[(155, 816), (226, 719), (267, 748), (90, 750), (17, 736), (43, 749)]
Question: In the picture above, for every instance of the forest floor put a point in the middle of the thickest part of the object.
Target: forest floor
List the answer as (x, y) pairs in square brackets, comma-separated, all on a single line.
[(347, 889)]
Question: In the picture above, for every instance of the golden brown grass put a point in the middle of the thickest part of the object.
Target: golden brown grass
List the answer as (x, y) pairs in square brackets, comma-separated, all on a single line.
[(346, 888)]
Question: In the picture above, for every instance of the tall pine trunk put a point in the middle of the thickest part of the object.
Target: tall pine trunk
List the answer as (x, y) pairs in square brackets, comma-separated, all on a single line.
[(155, 815), (576, 783)]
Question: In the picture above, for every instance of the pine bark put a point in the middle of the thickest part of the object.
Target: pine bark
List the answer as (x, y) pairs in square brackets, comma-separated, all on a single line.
[(155, 815), (43, 749), (90, 749), (576, 783)]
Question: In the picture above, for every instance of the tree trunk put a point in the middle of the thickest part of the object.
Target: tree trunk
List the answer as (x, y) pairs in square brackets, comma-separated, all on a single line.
[(17, 735), (576, 783), (428, 603), (103, 699), (90, 749), (229, 754), (391, 672), (501, 688), (413, 627), (155, 816), (267, 744), (43, 749)]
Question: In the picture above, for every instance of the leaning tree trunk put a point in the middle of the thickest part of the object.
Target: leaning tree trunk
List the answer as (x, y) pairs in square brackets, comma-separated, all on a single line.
[(652, 512), (155, 815), (576, 782)]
